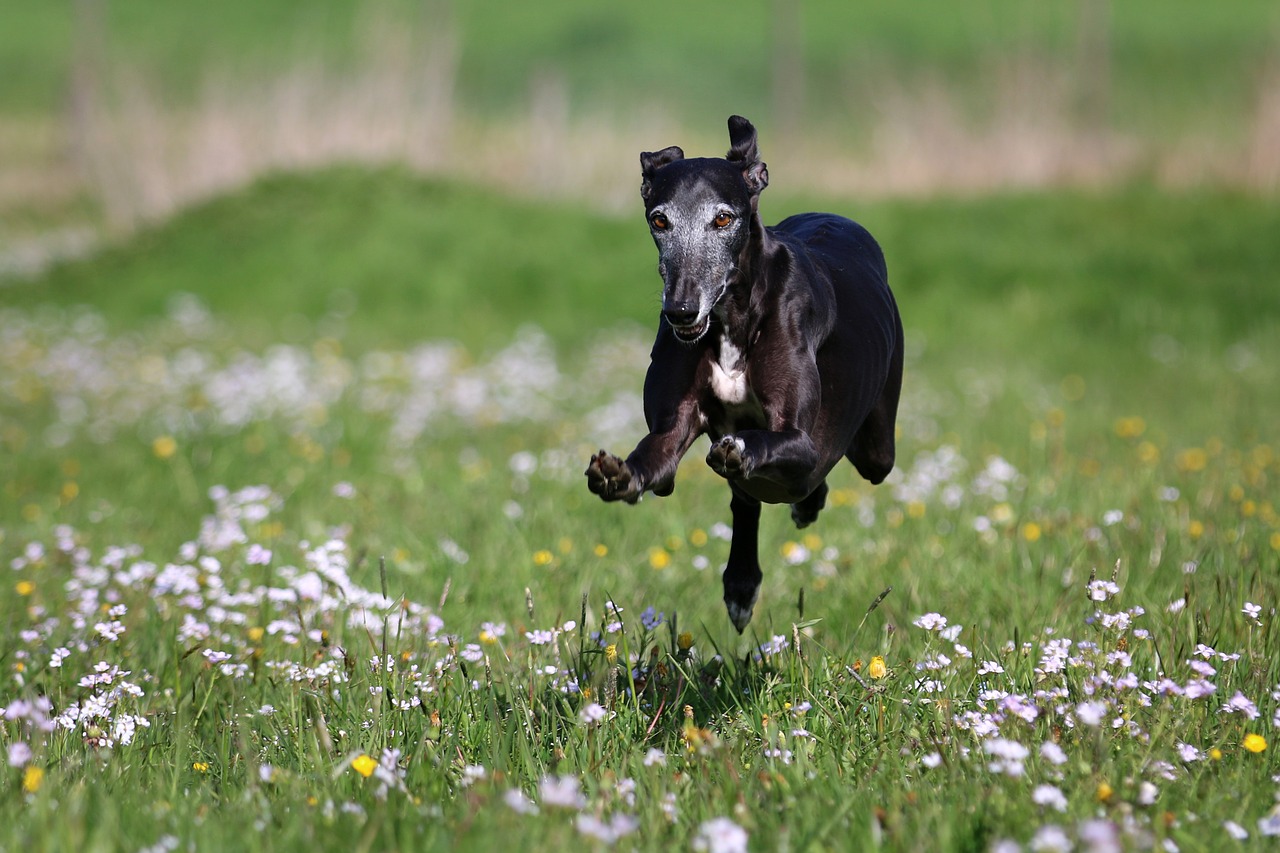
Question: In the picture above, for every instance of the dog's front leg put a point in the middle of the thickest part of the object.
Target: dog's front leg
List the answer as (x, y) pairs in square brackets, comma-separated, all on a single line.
[(651, 467), (742, 574)]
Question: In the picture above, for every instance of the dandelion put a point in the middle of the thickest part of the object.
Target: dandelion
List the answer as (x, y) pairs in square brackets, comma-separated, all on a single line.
[(659, 558), (721, 835), (364, 765), (543, 557), (1104, 792), (24, 588), (164, 446), (611, 653), (877, 669), (684, 641), (1254, 743), (33, 778)]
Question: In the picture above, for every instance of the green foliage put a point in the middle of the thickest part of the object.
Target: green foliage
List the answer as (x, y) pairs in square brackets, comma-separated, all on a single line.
[(1189, 65)]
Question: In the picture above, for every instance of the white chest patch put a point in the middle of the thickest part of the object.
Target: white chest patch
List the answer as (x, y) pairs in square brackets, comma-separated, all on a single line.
[(729, 374)]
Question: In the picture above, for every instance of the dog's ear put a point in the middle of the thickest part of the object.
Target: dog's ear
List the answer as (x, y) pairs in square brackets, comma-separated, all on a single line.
[(652, 161), (744, 153)]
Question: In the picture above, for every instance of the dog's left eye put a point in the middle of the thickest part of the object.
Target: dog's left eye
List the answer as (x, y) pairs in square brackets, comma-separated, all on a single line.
[(722, 220)]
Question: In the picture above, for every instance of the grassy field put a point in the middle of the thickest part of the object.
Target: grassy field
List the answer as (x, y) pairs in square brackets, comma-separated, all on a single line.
[(1170, 66), (300, 555), (126, 115)]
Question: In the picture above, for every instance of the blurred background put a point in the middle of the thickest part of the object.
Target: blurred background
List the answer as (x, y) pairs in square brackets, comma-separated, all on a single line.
[(118, 112)]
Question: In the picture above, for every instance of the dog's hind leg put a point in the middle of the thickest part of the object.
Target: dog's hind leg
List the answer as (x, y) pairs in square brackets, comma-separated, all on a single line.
[(873, 448), (805, 512), (742, 575)]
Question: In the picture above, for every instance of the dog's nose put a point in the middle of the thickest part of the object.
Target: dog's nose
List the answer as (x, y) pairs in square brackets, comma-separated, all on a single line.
[(681, 314)]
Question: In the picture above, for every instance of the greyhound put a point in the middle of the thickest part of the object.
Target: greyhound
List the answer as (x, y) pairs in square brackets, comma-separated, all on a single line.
[(783, 345)]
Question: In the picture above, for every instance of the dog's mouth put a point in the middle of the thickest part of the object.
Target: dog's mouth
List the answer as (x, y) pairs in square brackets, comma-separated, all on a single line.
[(693, 332)]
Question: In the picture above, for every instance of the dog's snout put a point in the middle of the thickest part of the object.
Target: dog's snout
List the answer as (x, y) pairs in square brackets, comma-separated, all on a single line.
[(681, 313)]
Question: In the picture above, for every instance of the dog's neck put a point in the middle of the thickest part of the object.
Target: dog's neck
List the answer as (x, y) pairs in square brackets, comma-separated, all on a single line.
[(740, 311)]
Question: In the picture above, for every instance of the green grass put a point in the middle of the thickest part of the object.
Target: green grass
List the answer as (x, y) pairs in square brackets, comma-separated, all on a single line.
[(1032, 321)]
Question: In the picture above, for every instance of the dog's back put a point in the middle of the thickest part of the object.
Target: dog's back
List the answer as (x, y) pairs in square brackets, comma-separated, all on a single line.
[(865, 335)]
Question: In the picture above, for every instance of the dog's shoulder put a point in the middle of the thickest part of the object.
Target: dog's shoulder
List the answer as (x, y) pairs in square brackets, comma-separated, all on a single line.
[(833, 241)]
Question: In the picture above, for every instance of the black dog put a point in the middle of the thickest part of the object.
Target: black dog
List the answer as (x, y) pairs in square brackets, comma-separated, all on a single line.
[(783, 344)]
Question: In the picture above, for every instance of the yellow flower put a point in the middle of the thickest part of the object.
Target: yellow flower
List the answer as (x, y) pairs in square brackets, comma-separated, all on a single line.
[(1192, 459), (1031, 531), (200, 766), (684, 641), (611, 653), (1254, 743), (1104, 792), (1195, 529), (32, 778), (543, 557), (24, 587), (164, 446), (601, 550), (1215, 754), (364, 765), (659, 558), (256, 633), (1130, 427), (698, 537), (877, 669)]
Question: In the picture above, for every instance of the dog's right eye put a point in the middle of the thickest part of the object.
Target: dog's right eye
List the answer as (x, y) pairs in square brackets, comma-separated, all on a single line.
[(659, 222)]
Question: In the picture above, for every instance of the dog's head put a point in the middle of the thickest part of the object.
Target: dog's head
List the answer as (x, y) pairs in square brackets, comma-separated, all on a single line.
[(700, 212)]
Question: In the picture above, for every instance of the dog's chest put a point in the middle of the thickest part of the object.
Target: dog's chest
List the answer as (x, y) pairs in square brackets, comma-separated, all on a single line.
[(729, 375)]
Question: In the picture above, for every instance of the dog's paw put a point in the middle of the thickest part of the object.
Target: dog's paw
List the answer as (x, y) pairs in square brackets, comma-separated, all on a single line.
[(728, 458), (610, 478)]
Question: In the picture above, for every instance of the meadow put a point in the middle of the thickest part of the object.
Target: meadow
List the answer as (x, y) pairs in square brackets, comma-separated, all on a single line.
[(300, 556)]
